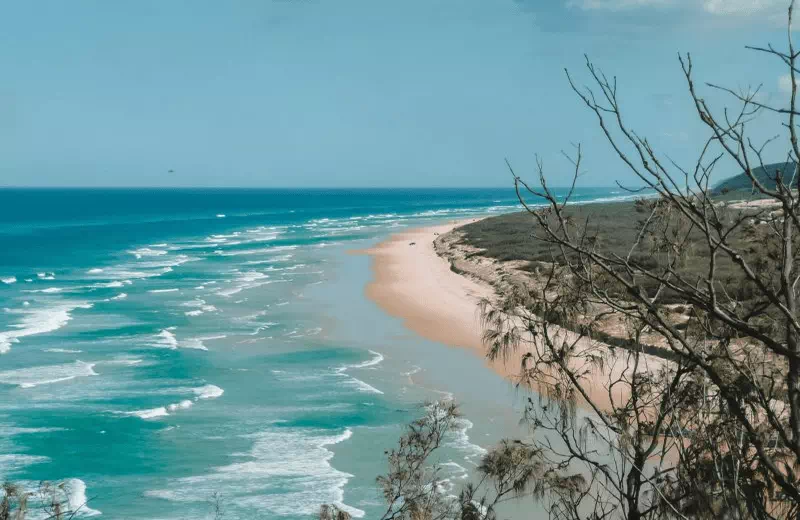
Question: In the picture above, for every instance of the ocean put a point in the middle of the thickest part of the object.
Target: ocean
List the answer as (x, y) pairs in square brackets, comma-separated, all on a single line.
[(163, 350)]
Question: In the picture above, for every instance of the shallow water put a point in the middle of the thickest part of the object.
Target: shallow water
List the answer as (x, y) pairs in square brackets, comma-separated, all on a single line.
[(161, 346)]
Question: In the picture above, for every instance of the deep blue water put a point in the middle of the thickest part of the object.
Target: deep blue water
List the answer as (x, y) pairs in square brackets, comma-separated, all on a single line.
[(161, 346)]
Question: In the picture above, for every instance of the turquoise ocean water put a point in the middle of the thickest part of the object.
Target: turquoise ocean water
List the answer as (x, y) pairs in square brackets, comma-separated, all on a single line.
[(158, 347)]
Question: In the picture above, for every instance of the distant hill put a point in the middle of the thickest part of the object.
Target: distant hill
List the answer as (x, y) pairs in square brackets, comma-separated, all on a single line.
[(765, 175)]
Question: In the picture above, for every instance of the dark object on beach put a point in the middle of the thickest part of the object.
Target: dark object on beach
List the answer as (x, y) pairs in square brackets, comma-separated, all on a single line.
[(412, 243)]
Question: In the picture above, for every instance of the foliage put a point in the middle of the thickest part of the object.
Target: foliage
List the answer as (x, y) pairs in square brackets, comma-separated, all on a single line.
[(710, 426), (766, 176)]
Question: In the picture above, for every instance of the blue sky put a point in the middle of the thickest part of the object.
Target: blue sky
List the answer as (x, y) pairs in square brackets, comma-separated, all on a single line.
[(354, 92)]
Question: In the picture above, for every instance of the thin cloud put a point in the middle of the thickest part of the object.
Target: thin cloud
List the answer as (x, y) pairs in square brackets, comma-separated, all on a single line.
[(742, 11), (617, 5), (744, 7), (716, 7)]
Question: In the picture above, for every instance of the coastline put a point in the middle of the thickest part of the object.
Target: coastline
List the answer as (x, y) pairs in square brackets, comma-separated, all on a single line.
[(435, 289), (417, 285), (412, 282)]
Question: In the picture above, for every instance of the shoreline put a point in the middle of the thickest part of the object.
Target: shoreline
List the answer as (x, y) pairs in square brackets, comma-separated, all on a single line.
[(435, 290), (411, 281)]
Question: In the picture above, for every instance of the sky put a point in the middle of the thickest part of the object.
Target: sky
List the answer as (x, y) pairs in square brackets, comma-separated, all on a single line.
[(370, 93)]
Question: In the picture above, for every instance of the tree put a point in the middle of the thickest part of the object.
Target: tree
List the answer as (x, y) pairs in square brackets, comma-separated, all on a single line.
[(413, 490), (50, 500), (698, 414), (666, 370)]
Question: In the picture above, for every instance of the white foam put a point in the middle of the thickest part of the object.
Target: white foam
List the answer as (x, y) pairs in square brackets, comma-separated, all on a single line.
[(166, 339), (252, 276), (46, 276), (123, 360), (157, 291), (272, 260), (358, 384), (75, 489), (63, 350), (361, 386), (200, 340), (38, 321), (265, 250), (208, 392), (261, 235), (49, 290), (377, 358), (227, 293), (112, 285), (152, 413), (146, 251), (96, 270), (220, 215), (31, 377), (200, 307), (460, 439), (203, 392), (413, 371), (128, 273), (10, 431), (183, 405), (308, 332), (13, 462), (194, 343), (296, 459), (145, 269), (244, 281), (120, 296), (8, 280)]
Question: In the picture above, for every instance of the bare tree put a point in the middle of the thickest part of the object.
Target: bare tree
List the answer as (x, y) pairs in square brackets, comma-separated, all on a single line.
[(666, 370), (697, 415)]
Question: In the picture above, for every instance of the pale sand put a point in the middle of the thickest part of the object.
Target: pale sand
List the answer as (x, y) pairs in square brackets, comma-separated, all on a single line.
[(414, 283)]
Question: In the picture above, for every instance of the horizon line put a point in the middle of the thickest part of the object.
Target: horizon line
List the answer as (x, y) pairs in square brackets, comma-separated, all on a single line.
[(172, 187)]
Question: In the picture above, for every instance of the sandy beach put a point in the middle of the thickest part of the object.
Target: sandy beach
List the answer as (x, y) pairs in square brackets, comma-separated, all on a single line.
[(411, 281), (415, 284)]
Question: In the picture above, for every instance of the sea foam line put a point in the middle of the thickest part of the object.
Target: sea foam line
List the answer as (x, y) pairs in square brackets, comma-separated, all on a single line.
[(296, 459), (31, 377), (360, 385), (38, 321), (202, 392)]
